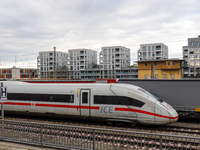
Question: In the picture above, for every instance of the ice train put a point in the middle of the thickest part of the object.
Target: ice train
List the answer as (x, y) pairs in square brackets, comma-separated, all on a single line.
[(97, 102)]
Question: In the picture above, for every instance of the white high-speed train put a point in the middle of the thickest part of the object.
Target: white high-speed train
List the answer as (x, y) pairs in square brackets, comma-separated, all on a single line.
[(99, 102)]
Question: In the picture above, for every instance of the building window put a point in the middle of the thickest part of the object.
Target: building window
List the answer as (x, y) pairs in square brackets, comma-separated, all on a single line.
[(144, 54), (146, 76), (144, 48), (152, 48), (156, 76), (197, 44), (191, 44), (105, 50), (155, 64), (145, 64), (149, 54), (149, 48), (168, 63), (165, 76), (165, 63), (172, 76), (173, 63)]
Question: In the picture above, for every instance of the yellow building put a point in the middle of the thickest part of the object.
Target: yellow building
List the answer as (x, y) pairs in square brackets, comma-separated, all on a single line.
[(160, 69)]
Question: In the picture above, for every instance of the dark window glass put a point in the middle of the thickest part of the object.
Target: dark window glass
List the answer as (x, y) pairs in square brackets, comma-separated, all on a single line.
[(117, 100), (84, 97), (41, 97)]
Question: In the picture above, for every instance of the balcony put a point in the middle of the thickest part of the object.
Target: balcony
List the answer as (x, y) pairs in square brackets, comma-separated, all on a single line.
[(158, 48), (81, 58), (158, 54), (117, 50)]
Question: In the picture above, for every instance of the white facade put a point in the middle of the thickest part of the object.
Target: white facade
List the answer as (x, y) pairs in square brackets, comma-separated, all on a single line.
[(191, 55), (114, 57), (81, 59), (45, 62), (153, 51)]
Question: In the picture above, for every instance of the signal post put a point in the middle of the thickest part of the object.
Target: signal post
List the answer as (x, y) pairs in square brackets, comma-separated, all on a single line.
[(3, 98)]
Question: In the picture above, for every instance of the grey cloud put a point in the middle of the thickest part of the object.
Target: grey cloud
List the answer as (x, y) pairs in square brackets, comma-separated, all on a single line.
[(36, 25)]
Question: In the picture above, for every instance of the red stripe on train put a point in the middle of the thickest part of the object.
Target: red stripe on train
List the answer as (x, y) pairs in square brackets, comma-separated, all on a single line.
[(66, 106), (16, 103), (52, 105), (55, 105), (144, 112)]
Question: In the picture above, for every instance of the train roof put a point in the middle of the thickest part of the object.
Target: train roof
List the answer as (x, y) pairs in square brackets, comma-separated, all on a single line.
[(79, 85)]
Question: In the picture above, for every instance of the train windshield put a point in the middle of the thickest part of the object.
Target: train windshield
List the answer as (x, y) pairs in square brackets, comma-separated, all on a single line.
[(151, 94)]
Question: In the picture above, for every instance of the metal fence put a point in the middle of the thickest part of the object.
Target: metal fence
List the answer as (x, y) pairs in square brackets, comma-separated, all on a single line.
[(66, 137)]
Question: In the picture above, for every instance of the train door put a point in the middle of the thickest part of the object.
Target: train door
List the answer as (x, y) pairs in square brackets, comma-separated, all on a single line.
[(85, 103)]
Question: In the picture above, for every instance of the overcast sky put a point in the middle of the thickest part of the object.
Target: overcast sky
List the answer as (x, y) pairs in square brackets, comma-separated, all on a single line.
[(30, 26)]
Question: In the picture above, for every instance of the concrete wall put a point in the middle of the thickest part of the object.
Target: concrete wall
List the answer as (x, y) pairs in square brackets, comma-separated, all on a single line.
[(15, 73)]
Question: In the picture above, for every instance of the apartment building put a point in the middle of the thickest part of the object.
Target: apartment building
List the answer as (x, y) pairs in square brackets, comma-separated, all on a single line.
[(160, 69), (114, 57), (46, 59), (18, 73), (153, 51), (81, 59), (191, 55)]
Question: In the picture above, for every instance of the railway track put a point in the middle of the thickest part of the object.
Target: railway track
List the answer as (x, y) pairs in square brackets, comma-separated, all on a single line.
[(104, 139), (176, 128)]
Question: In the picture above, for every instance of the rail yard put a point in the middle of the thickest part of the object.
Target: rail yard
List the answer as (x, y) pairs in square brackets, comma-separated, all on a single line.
[(84, 134)]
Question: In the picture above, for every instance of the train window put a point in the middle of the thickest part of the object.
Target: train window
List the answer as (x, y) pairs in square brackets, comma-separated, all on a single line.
[(41, 97), (100, 99), (84, 97), (117, 100), (151, 94), (135, 102)]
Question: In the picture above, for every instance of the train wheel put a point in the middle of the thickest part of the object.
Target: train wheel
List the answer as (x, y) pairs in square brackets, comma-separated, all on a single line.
[(110, 122)]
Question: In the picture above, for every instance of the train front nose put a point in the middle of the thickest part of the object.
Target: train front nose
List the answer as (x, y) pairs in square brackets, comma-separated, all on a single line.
[(165, 114), (173, 115)]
